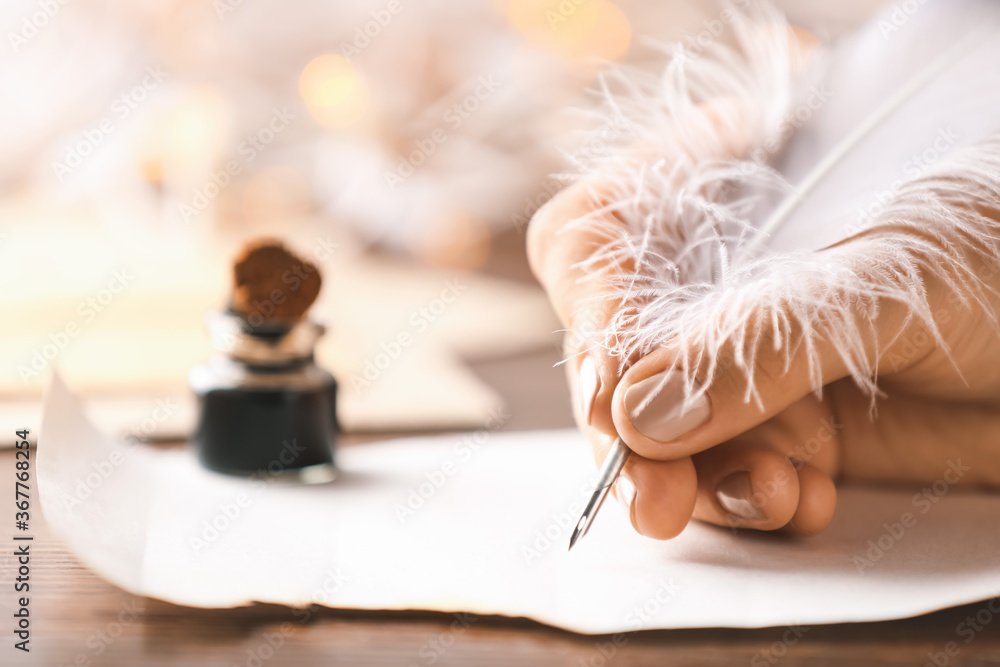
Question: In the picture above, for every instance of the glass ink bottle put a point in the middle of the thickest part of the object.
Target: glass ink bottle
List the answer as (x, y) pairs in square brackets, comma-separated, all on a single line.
[(266, 408)]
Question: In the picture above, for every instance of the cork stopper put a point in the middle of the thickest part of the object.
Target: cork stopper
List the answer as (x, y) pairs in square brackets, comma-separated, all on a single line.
[(272, 285)]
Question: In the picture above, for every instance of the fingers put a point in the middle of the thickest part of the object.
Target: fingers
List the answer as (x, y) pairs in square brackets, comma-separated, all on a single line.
[(562, 253), (592, 375), (736, 485), (658, 496), (930, 440), (817, 503), (556, 253), (775, 477), (746, 486), (778, 476), (750, 486), (557, 248), (680, 400)]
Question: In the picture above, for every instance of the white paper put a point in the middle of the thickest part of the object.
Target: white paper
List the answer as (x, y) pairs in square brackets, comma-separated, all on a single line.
[(489, 538)]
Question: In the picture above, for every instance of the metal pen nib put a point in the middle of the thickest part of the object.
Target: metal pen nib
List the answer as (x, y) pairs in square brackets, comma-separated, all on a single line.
[(610, 469)]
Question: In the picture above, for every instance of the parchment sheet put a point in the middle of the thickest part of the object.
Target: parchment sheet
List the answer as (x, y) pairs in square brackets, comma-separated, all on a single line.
[(479, 523)]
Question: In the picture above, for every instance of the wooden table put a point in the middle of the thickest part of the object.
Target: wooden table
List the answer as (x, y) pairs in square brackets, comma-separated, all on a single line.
[(79, 619)]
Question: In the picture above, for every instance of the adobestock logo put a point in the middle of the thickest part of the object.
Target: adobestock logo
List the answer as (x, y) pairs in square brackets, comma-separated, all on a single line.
[(33, 24), (88, 310), (454, 116), (249, 148), (365, 34)]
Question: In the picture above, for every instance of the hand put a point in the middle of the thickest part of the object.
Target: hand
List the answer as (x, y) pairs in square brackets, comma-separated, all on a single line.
[(771, 464)]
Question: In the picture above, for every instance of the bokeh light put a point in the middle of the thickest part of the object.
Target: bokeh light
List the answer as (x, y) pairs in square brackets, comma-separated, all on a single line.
[(578, 29), (334, 91), (184, 137)]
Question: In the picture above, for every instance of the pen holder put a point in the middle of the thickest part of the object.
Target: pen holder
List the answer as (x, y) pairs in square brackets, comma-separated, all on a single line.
[(266, 408)]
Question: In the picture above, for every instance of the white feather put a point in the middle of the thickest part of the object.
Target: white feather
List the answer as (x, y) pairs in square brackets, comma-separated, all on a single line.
[(709, 253)]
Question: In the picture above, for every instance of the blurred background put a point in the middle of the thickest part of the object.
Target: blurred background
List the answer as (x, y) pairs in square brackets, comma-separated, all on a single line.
[(402, 146)]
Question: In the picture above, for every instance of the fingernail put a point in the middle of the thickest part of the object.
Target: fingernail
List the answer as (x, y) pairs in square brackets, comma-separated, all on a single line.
[(655, 406), (625, 490), (735, 495), (589, 383)]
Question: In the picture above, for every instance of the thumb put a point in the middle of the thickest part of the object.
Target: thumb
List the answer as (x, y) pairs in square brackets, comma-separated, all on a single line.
[(744, 358)]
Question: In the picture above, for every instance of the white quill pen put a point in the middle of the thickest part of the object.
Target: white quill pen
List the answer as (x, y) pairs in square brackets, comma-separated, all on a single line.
[(894, 144)]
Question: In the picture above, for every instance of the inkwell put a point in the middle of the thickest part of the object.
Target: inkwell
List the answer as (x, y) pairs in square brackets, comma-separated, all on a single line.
[(266, 408)]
